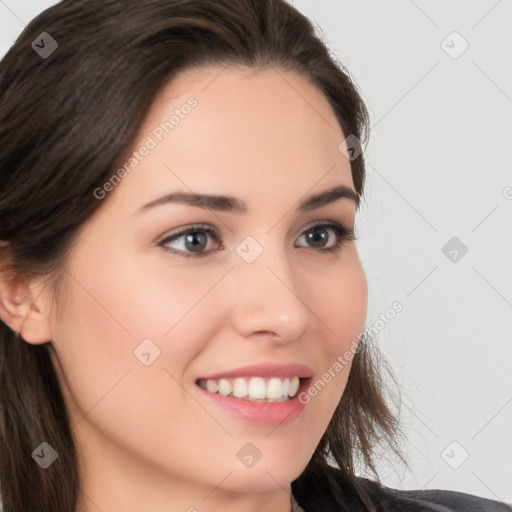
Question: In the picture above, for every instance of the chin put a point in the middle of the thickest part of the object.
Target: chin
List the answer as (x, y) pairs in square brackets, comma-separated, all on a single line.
[(265, 475), (259, 481)]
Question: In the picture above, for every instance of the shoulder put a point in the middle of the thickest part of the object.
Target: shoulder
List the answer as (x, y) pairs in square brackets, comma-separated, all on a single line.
[(386, 499), (435, 500)]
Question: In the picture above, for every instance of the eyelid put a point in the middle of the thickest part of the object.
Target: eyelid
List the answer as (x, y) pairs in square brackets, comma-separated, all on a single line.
[(209, 228), (187, 228), (328, 222)]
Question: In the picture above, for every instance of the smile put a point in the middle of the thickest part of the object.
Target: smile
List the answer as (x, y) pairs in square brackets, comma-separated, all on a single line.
[(257, 389)]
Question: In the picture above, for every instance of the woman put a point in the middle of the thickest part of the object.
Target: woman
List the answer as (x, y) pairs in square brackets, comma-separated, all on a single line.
[(182, 301)]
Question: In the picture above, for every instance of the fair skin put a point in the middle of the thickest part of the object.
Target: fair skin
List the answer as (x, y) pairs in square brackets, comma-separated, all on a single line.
[(147, 438)]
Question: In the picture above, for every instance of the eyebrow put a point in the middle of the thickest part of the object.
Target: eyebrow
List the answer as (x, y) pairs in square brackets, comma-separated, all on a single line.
[(231, 204)]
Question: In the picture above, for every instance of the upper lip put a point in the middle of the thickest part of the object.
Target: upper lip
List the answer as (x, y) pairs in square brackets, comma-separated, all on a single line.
[(264, 370)]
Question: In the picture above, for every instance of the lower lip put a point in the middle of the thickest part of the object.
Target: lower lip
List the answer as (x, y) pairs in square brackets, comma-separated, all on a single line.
[(264, 413)]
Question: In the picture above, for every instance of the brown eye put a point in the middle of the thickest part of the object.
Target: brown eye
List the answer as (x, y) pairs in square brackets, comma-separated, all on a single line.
[(318, 236), (194, 240)]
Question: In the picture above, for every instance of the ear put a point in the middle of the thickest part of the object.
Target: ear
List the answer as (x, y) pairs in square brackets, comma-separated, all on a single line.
[(24, 309)]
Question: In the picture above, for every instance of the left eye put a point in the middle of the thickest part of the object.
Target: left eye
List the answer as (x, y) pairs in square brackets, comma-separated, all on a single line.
[(194, 239)]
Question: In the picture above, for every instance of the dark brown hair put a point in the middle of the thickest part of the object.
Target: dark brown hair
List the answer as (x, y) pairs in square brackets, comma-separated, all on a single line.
[(66, 123)]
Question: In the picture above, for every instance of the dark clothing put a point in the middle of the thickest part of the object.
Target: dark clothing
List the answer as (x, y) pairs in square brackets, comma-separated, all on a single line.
[(333, 492)]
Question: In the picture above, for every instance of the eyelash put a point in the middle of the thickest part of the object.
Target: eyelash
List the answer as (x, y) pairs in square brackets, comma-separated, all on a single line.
[(343, 234)]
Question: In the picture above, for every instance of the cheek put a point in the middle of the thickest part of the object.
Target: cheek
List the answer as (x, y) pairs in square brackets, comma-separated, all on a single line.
[(121, 312), (343, 303), (105, 383), (129, 300), (340, 301)]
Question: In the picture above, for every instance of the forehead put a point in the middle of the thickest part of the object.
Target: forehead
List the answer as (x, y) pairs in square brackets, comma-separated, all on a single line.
[(249, 130)]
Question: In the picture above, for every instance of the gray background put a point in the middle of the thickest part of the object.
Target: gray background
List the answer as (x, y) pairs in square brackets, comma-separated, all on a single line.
[(439, 166)]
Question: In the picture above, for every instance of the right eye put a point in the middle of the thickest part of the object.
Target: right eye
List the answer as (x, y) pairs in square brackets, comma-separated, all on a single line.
[(194, 240)]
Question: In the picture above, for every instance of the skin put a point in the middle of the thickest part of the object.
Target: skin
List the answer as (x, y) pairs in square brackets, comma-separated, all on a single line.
[(147, 439)]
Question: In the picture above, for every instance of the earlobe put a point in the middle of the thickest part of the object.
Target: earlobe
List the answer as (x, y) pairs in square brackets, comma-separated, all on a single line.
[(13, 302), (24, 311)]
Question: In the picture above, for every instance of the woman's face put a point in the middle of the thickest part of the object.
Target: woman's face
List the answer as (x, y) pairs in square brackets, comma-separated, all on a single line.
[(148, 313)]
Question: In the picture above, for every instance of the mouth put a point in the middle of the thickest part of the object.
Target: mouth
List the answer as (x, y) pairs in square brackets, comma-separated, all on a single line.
[(256, 389), (263, 393)]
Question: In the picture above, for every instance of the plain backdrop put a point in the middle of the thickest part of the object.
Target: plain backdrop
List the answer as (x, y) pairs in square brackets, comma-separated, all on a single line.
[(437, 80)]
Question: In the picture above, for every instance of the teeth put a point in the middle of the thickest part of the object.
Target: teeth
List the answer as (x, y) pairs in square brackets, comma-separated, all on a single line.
[(212, 386), (225, 387), (255, 388), (240, 388), (275, 388), (286, 386), (294, 386)]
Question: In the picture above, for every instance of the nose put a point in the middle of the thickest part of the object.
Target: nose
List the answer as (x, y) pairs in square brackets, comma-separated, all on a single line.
[(267, 301)]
